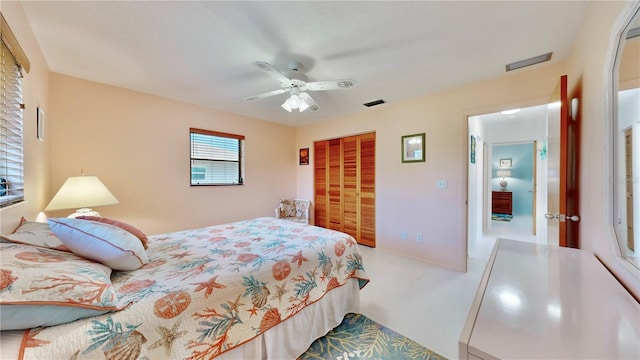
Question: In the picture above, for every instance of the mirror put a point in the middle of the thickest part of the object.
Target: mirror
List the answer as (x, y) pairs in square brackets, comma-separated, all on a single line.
[(626, 143)]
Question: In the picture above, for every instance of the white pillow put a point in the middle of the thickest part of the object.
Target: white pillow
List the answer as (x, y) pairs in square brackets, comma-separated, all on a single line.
[(104, 243)]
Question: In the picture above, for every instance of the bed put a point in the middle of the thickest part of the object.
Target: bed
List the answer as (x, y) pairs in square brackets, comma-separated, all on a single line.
[(259, 288)]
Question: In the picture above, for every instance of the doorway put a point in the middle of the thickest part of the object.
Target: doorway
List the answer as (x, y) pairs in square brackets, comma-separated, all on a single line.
[(513, 186), (510, 147)]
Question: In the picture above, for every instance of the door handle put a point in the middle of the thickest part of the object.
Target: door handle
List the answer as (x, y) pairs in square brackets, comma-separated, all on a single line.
[(562, 217)]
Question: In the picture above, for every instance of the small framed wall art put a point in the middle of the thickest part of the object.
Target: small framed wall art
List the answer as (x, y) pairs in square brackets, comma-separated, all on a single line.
[(505, 163), (304, 156), (40, 124), (472, 155), (413, 148)]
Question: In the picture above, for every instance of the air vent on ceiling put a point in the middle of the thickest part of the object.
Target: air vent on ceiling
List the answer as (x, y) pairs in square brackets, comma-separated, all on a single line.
[(528, 62), (374, 103)]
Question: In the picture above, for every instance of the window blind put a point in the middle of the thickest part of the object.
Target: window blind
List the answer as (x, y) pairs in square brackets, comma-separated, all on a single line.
[(11, 130), (216, 158)]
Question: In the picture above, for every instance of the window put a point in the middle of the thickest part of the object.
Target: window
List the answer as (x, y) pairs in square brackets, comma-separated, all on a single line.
[(11, 130), (216, 158)]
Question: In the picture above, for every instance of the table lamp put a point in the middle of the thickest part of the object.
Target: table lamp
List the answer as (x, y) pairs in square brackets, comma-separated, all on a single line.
[(82, 192), (503, 182)]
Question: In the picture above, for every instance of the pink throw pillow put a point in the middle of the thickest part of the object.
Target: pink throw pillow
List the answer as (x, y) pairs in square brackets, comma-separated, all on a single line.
[(124, 226)]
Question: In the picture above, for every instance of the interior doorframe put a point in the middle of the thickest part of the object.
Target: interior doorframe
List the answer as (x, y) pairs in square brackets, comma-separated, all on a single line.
[(488, 179), (534, 191), (486, 203)]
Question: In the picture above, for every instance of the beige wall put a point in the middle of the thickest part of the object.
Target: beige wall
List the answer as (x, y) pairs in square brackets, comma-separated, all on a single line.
[(35, 94), (407, 198), (138, 145), (591, 61)]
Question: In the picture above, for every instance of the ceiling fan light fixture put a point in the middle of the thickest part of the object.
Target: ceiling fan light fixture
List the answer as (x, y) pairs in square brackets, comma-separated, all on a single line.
[(303, 106), (294, 101), (296, 84), (286, 105)]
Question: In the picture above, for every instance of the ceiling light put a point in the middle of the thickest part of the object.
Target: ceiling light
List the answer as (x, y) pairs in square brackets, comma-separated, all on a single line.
[(295, 102), (286, 105)]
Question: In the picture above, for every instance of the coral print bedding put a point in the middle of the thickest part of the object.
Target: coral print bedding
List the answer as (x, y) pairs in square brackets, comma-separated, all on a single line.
[(201, 293)]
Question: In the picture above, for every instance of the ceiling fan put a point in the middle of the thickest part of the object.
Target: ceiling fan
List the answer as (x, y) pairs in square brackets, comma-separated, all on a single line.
[(296, 84)]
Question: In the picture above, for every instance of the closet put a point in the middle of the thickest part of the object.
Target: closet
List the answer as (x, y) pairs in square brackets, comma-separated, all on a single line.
[(345, 186)]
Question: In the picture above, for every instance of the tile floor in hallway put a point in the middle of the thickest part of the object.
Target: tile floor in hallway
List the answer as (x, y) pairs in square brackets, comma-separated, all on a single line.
[(425, 302)]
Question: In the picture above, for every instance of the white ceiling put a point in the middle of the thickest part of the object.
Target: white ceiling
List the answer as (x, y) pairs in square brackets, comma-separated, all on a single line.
[(203, 52)]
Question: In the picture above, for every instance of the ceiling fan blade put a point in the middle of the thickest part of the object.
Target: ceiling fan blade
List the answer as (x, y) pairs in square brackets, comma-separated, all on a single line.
[(313, 105), (267, 94), (330, 85), (266, 67)]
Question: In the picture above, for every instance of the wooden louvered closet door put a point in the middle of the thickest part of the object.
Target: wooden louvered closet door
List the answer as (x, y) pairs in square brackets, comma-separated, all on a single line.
[(320, 164), (350, 164), (367, 179), (334, 195), (345, 186)]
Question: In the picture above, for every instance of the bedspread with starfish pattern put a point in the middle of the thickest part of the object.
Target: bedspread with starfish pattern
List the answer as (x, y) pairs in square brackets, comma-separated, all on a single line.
[(208, 290)]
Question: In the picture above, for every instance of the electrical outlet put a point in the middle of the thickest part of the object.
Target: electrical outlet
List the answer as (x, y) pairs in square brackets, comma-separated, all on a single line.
[(403, 235), (419, 238)]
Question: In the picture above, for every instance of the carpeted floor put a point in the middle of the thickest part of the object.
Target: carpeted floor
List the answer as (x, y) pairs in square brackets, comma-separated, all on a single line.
[(359, 337), (501, 217)]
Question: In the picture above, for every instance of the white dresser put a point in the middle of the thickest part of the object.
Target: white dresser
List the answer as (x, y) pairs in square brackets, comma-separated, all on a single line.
[(545, 302)]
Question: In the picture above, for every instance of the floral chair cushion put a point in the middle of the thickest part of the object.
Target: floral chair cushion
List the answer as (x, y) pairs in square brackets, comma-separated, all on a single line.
[(287, 208), (293, 209)]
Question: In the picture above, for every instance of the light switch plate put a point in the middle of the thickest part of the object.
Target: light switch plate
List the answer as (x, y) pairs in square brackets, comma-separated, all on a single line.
[(442, 184)]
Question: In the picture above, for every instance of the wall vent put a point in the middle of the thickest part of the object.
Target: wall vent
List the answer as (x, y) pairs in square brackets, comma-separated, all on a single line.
[(374, 103), (528, 62)]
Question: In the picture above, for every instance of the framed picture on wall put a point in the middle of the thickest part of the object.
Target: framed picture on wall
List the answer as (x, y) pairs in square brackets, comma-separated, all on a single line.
[(505, 163), (413, 148), (472, 154), (304, 156)]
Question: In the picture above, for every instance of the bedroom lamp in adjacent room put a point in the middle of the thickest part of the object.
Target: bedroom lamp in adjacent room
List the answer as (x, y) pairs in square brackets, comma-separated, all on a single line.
[(82, 192), (503, 182)]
